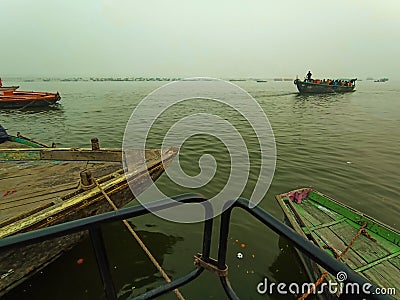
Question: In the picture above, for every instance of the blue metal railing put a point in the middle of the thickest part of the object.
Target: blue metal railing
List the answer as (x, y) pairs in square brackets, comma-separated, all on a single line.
[(93, 225)]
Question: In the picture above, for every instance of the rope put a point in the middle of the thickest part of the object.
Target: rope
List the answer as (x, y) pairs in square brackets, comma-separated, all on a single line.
[(26, 105), (140, 242), (323, 276), (332, 249)]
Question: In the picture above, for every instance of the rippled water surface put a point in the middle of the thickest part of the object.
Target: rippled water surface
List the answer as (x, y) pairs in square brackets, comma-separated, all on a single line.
[(345, 146)]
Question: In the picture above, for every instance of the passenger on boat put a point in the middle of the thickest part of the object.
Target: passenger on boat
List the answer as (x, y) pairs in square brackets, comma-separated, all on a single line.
[(3, 134), (309, 76), (1, 83)]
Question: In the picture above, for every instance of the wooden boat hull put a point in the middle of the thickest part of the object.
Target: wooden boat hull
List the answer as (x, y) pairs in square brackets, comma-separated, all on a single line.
[(332, 226), (22, 99), (70, 203), (19, 142), (319, 88)]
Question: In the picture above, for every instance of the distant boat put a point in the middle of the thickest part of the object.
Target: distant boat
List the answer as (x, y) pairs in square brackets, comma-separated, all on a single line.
[(9, 88), (381, 80), (317, 86), (23, 99), (261, 80)]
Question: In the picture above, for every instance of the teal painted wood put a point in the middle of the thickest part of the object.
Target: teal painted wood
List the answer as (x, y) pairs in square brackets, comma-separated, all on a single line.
[(24, 142)]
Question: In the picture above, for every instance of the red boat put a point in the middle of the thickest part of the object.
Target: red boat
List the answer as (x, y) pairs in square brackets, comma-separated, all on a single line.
[(24, 99)]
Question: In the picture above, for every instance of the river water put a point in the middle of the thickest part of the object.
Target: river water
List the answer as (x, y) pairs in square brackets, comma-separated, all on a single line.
[(344, 145)]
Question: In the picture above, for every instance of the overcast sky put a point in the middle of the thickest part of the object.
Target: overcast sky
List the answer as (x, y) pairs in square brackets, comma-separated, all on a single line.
[(218, 38)]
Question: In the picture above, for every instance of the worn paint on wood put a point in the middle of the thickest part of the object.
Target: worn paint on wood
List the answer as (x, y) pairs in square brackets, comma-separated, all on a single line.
[(328, 222), (40, 192)]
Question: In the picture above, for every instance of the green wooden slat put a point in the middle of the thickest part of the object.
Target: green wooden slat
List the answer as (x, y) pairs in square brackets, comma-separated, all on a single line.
[(358, 218), (328, 224), (395, 261), (374, 263)]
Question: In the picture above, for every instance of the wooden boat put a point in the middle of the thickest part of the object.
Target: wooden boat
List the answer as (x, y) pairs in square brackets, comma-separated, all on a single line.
[(23, 99), (373, 248), (40, 187), (317, 86), (8, 88), (381, 80), (20, 141)]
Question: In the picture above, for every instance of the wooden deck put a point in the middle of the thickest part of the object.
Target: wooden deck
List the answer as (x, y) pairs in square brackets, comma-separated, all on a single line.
[(29, 186), (42, 187)]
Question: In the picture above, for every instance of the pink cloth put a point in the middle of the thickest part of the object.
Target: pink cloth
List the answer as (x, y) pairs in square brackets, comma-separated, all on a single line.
[(297, 195)]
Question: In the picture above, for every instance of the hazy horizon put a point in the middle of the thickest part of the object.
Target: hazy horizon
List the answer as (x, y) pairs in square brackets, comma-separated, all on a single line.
[(225, 39)]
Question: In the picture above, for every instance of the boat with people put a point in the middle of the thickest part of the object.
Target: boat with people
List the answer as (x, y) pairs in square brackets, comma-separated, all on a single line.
[(42, 187), (382, 80), (318, 86), (367, 246)]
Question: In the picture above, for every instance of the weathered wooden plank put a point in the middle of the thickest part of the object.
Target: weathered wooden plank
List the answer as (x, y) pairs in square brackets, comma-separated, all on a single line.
[(328, 224), (20, 198), (317, 212), (52, 179), (367, 249), (376, 278), (376, 262), (70, 154), (351, 258), (10, 218), (76, 155), (308, 219), (388, 274), (395, 261), (332, 214)]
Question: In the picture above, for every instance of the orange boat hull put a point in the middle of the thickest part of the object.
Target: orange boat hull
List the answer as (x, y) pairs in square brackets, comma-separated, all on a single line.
[(22, 99)]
